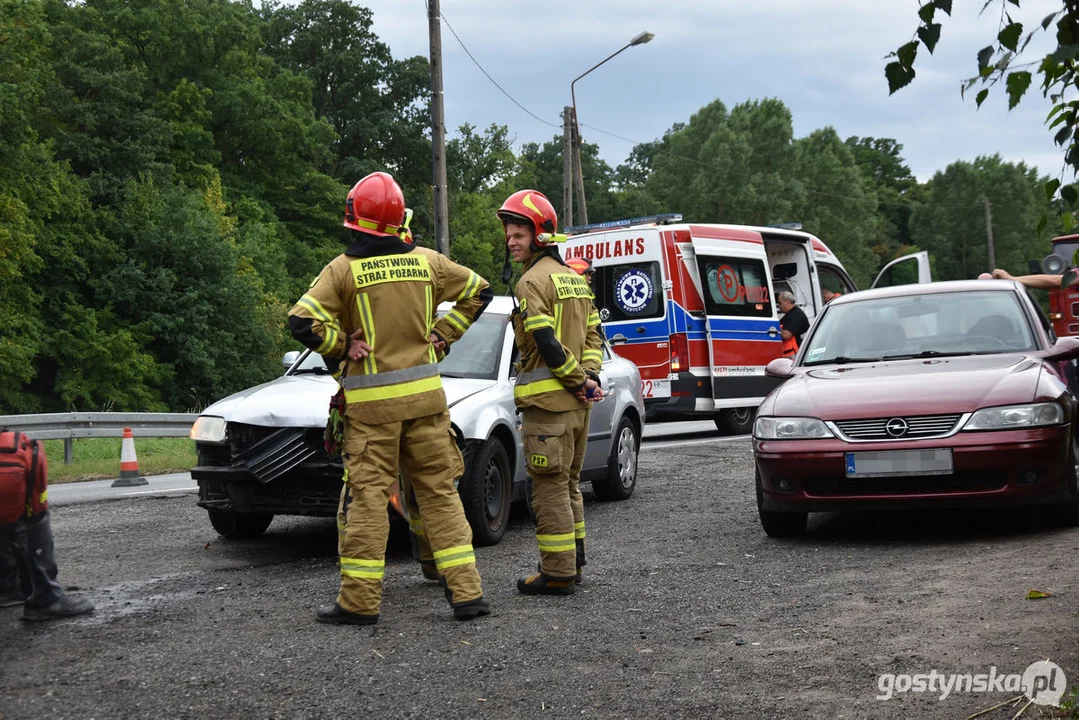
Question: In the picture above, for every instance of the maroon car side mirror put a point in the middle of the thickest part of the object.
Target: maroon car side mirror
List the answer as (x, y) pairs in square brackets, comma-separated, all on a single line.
[(779, 368), (1065, 348)]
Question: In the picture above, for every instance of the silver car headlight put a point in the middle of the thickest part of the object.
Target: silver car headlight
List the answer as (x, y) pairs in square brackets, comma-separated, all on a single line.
[(790, 428), (209, 429), (1007, 417)]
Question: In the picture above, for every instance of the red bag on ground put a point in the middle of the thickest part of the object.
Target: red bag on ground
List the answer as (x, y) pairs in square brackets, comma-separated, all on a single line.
[(23, 477)]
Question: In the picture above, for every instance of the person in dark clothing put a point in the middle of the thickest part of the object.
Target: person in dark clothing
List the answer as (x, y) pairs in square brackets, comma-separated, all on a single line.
[(794, 323)]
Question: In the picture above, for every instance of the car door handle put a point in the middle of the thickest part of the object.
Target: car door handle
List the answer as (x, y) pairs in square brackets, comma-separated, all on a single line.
[(772, 332), (618, 339)]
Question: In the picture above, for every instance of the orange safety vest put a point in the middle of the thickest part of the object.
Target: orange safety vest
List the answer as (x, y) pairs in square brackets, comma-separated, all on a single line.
[(790, 346)]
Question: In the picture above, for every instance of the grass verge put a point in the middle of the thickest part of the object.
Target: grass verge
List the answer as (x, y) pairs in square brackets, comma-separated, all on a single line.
[(98, 458)]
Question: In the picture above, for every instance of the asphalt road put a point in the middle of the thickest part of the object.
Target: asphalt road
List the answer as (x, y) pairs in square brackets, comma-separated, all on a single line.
[(688, 611)]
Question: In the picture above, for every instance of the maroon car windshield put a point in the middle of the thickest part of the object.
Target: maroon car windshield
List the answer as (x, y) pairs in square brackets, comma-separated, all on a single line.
[(923, 325)]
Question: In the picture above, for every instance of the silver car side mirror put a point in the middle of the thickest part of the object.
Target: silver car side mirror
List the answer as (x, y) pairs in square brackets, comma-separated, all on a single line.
[(289, 359)]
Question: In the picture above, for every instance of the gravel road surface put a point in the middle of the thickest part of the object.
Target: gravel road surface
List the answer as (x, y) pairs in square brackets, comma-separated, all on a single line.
[(688, 611)]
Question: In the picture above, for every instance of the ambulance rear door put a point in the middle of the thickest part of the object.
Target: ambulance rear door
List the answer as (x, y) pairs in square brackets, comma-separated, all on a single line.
[(742, 323), (631, 294)]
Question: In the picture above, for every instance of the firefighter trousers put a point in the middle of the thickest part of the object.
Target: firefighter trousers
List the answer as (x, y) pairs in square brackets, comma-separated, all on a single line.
[(421, 549), (423, 449), (555, 444)]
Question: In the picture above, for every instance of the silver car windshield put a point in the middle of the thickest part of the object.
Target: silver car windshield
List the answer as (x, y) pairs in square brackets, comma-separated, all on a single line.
[(477, 353), (474, 356), (917, 326)]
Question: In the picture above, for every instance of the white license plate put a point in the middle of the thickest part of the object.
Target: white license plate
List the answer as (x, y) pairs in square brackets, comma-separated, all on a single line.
[(894, 463), (656, 388)]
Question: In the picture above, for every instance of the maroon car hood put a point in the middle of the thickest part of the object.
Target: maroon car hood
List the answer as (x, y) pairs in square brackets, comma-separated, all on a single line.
[(908, 387)]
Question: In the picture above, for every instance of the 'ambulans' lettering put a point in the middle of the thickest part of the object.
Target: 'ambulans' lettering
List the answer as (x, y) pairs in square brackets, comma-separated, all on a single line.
[(392, 268), (608, 249), (570, 285)]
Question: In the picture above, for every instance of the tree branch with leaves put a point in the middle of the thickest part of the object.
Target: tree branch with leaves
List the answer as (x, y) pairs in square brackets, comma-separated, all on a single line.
[(1004, 60)]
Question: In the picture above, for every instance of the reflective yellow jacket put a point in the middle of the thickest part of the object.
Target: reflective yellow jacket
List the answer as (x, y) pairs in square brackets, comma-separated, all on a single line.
[(558, 335), (392, 299)]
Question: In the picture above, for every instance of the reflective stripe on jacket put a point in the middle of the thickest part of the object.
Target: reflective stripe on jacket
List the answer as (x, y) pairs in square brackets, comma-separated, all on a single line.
[(391, 300), (555, 297)]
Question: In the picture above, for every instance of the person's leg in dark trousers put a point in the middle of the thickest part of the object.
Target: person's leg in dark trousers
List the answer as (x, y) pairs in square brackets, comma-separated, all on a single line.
[(47, 599)]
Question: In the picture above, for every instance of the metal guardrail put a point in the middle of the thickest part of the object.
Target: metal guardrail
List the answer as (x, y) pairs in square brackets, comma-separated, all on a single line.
[(68, 426)]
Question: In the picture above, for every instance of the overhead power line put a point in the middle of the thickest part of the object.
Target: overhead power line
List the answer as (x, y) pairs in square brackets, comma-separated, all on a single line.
[(631, 141), (488, 75)]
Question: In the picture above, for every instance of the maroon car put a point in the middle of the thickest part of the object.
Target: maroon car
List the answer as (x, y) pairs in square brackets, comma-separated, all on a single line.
[(939, 395)]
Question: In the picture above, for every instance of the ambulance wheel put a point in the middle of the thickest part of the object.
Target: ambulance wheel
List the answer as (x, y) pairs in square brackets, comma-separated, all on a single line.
[(234, 525), (621, 477), (736, 421), (485, 491)]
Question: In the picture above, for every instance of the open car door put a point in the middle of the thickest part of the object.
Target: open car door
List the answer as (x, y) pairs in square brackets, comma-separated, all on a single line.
[(910, 269)]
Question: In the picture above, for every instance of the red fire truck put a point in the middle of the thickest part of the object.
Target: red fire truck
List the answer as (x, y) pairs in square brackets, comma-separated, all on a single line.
[(1063, 302)]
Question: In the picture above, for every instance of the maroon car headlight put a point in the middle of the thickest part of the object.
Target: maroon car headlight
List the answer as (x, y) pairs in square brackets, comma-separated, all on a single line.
[(790, 428), (1007, 417)]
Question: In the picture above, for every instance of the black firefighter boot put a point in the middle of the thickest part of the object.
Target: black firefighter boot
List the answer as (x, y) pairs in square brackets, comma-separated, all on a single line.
[(541, 584), (337, 615), (469, 609)]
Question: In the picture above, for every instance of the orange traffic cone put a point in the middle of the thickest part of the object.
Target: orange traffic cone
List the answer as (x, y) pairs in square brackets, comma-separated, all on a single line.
[(129, 464)]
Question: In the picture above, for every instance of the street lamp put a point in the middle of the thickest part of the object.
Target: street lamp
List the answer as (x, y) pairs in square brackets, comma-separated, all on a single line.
[(640, 39)]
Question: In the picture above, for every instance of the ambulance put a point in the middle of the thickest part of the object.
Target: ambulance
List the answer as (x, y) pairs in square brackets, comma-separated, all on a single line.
[(693, 305)]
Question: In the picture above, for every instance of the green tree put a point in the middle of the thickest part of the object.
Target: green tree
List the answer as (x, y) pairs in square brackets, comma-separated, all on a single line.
[(887, 174), (26, 200), (186, 286), (951, 223), (545, 164), (1003, 59), (377, 106), (835, 204)]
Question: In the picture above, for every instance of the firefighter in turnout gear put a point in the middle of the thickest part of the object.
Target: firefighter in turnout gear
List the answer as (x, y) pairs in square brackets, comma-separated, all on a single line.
[(560, 346), (374, 308)]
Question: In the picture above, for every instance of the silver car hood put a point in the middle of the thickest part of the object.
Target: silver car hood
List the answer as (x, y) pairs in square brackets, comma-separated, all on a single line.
[(304, 400)]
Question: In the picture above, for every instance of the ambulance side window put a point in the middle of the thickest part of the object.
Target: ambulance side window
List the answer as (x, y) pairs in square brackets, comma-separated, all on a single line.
[(629, 291), (735, 286)]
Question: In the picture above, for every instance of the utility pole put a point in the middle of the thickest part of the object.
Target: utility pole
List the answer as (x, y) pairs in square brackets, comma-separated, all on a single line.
[(438, 131), (989, 234), (583, 213), (567, 167)]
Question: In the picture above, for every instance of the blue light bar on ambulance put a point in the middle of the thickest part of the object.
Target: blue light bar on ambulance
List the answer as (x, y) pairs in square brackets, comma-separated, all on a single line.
[(786, 226), (628, 222)]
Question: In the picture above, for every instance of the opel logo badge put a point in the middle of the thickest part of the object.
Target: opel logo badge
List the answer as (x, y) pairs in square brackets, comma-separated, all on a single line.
[(896, 427)]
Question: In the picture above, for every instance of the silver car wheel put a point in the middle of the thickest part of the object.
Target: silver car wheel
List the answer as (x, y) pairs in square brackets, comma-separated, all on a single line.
[(627, 457)]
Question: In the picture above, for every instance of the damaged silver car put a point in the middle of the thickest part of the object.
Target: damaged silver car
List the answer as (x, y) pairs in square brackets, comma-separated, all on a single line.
[(260, 451)]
